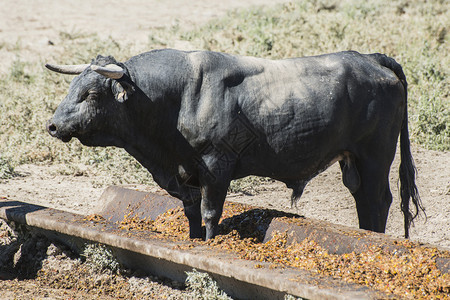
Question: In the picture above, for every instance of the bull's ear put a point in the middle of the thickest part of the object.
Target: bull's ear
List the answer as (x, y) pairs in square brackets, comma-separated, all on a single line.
[(122, 90)]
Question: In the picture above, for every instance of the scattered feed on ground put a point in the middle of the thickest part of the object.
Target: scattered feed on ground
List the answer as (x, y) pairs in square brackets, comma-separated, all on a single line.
[(412, 273)]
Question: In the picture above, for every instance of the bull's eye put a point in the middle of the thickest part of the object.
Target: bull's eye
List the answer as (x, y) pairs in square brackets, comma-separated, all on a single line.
[(89, 95), (92, 95)]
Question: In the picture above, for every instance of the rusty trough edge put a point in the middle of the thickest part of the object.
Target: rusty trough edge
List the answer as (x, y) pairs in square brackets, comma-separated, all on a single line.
[(238, 278)]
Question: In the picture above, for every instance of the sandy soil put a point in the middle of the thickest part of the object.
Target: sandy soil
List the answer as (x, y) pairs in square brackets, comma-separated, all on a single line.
[(34, 24)]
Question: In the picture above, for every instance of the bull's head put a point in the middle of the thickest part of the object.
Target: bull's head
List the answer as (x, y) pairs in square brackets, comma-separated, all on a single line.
[(93, 107)]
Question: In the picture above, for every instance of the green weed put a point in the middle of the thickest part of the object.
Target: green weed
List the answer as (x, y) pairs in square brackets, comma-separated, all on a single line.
[(202, 286), (6, 169), (100, 258)]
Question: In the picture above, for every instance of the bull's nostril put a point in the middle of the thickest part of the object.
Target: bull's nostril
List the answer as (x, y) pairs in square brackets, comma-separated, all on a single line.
[(51, 128)]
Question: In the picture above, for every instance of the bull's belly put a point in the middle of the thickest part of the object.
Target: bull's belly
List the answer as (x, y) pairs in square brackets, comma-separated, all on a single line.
[(296, 165)]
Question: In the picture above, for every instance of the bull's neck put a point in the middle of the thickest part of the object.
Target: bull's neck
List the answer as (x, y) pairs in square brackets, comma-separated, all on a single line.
[(154, 138), (156, 142), (154, 158)]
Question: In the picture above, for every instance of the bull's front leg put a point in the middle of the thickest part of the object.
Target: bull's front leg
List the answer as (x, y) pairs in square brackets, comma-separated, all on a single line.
[(213, 198), (193, 214), (215, 174)]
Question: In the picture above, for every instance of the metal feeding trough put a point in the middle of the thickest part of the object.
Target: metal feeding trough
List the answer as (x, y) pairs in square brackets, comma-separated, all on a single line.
[(239, 278)]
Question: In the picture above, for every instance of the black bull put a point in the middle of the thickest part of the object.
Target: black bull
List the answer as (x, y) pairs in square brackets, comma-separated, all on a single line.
[(197, 120)]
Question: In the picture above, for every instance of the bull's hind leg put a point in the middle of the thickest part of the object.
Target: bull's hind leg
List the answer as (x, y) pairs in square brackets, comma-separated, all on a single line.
[(368, 181), (350, 175)]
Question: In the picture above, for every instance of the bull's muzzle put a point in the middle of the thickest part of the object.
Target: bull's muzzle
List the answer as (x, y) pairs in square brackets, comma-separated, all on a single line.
[(53, 131)]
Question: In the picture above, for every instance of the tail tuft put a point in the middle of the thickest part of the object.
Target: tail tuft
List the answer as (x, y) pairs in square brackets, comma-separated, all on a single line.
[(408, 172)]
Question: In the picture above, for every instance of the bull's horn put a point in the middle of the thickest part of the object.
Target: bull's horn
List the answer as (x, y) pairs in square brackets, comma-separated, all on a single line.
[(67, 69), (111, 71)]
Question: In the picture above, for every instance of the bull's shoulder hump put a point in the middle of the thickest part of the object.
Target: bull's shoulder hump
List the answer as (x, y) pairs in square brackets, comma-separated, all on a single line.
[(212, 56), (163, 57), (224, 65), (162, 62)]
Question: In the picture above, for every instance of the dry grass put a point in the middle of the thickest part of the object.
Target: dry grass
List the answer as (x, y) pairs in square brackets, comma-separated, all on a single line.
[(415, 33)]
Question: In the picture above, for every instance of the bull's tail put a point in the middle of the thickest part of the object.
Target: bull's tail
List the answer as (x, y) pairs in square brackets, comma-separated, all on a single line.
[(408, 171)]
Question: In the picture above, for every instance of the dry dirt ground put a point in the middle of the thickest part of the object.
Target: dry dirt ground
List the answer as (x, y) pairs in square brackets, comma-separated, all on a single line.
[(34, 23), (325, 197)]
